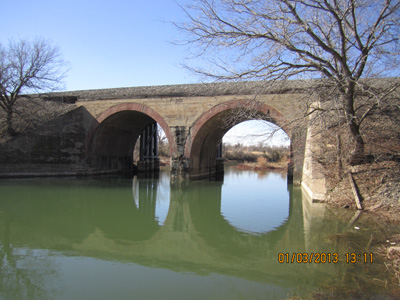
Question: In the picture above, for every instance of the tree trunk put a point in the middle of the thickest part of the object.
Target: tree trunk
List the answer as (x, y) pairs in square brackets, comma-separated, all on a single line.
[(357, 153)]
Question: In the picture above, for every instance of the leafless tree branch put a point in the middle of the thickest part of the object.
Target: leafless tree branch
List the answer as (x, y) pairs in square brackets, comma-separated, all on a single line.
[(340, 42), (27, 67)]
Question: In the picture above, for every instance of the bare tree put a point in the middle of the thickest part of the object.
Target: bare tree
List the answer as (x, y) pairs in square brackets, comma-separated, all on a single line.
[(338, 41), (27, 67)]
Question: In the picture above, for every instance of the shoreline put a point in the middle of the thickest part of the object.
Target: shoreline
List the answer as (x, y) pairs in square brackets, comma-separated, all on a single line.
[(269, 166), (12, 171)]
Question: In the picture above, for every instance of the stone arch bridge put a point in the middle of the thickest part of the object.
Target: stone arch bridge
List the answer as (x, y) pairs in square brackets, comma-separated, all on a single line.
[(193, 117), (105, 124)]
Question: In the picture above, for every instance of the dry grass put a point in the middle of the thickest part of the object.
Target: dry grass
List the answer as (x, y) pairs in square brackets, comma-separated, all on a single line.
[(391, 253), (278, 166)]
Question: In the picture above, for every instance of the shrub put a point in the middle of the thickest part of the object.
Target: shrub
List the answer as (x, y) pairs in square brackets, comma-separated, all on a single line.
[(261, 161)]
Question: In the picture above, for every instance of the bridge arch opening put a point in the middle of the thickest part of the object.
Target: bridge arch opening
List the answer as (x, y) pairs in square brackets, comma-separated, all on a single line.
[(111, 140), (203, 149), (256, 134)]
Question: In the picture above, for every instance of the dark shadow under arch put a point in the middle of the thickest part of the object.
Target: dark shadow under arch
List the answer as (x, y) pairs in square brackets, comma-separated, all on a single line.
[(111, 139)]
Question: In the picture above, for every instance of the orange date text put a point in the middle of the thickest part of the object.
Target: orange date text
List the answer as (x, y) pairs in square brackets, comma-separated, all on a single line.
[(324, 258)]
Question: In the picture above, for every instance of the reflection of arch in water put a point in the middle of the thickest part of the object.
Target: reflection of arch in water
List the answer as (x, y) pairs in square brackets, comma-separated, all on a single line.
[(155, 191), (205, 209), (81, 208), (194, 221), (264, 201), (124, 221)]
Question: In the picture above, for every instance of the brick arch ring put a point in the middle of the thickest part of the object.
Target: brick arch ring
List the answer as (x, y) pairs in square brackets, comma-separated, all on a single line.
[(130, 107), (275, 115)]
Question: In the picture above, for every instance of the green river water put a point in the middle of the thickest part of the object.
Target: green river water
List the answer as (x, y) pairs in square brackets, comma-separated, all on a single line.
[(249, 236)]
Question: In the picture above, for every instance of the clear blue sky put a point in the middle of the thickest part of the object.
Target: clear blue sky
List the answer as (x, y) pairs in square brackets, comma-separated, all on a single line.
[(109, 44)]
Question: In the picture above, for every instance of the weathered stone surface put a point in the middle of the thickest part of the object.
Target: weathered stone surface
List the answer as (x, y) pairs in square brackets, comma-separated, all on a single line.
[(59, 141)]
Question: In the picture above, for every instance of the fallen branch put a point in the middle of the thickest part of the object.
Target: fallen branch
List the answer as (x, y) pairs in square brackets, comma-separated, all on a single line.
[(355, 192)]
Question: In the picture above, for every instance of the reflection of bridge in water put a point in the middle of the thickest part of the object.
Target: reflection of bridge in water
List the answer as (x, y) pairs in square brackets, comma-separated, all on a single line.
[(195, 237)]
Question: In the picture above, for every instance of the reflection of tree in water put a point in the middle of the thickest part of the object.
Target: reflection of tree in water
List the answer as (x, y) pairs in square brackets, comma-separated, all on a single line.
[(23, 271)]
